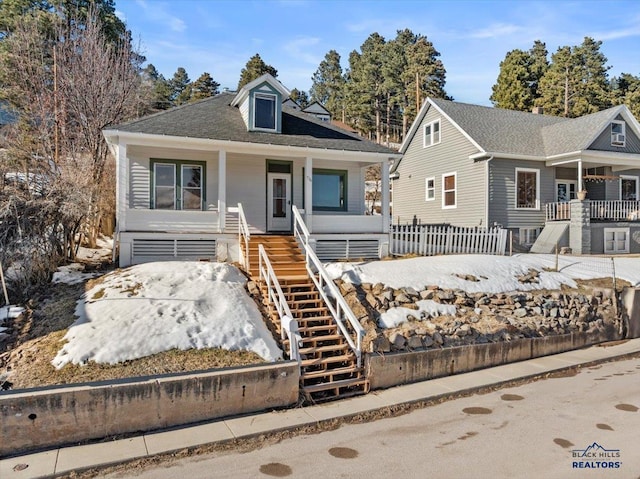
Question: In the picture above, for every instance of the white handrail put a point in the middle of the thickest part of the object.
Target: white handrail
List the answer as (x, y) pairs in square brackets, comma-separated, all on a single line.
[(337, 305), (243, 236), (277, 297)]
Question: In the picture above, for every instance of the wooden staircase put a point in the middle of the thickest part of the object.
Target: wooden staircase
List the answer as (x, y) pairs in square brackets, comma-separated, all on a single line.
[(328, 365)]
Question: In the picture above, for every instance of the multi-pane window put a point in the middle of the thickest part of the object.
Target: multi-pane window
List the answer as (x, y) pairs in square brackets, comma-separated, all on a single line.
[(527, 187), (430, 189), (432, 133), (265, 111), (177, 185), (449, 192)]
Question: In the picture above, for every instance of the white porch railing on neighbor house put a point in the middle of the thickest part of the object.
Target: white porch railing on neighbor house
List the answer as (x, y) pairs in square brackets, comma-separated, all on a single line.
[(347, 322), (428, 240), (557, 211), (275, 296), (243, 237), (604, 210), (617, 210)]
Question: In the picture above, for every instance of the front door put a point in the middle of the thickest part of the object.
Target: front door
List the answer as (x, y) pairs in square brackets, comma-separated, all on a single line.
[(565, 190), (279, 201)]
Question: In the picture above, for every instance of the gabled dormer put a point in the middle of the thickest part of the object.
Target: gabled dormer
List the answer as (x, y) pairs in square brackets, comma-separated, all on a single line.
[(260, 104)]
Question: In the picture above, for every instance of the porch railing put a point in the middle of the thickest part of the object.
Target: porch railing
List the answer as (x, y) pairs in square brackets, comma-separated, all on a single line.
[(618, 210), (276, 297), (604, 210), (345, 319), (243, 238)]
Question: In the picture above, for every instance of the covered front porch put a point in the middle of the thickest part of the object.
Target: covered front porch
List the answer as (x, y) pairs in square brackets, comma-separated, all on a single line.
[(610, 187)]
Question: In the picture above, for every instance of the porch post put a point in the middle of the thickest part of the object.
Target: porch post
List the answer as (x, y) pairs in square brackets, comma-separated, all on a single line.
[(222, 189), (580, 185), (122, 182), (308, 193), (384, 172)]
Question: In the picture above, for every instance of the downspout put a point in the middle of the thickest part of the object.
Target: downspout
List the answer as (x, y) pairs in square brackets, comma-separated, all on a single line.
[(486, 194)]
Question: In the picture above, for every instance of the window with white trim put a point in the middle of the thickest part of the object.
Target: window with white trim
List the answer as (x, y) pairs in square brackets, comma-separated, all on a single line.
[(618, 137), (431, 133), (177, 185), (264, 111), (527, 188), (616, 240), (449, 190), (430, 184)]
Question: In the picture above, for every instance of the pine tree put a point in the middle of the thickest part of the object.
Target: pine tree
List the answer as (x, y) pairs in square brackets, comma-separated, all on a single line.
[(425, 76), (625, 89), (255, 68), (204, 87), (300, 97), (576, 82), (159, 90), (367, 83), (328, 84), (180, 86), (513, 90), (519, 77)]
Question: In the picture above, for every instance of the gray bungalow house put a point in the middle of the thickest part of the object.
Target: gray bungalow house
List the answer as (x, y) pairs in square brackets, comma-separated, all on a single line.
[(471, 165), (185, 176)]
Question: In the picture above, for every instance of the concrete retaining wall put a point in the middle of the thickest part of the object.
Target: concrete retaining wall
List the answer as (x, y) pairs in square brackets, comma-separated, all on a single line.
[(32, 419), (403, 368)]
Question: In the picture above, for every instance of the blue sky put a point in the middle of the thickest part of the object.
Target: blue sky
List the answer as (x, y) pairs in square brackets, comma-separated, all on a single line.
[(294, 35)]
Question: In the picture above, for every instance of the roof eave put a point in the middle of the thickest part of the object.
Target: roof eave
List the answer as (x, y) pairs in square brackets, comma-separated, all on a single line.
[(149, 139)]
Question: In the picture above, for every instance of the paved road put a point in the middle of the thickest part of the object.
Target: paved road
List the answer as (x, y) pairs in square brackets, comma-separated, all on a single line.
[(523, 432)]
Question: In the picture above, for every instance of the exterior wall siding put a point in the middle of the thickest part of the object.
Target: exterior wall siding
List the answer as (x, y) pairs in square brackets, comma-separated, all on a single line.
[(502, 194), (603, 142), (450, 155), (247, 184)]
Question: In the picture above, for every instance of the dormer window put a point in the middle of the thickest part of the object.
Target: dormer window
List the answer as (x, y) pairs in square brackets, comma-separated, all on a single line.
[(618, 137), (264, 111)]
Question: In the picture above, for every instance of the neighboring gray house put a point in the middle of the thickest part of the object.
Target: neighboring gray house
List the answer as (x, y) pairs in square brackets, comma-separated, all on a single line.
[(182, 174), (471, 165)]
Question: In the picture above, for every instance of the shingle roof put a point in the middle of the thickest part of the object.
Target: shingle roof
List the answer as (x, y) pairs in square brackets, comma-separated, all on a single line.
[(214, 118), (521, 133)]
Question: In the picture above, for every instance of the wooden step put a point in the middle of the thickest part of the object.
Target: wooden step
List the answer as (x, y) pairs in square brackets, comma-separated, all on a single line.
[(345, 358), (334, 385), (317, 329), (328, 373), (324, 349)]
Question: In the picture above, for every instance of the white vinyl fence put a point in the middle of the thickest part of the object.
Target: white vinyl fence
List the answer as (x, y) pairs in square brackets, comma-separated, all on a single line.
[(429, 240)]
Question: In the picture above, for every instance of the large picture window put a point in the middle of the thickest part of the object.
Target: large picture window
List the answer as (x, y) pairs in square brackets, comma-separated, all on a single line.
[(265, 111), (527, 188), (177, 185), (329, 190), (449, 190)]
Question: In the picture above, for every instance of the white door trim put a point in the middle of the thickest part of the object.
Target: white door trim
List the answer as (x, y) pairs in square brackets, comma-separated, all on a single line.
[(278, 223)]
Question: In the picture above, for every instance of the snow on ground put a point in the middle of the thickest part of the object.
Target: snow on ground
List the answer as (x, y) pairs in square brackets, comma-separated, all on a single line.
[(10, 312), (396, 316), (496, 274), (74, 273), (153, 307)]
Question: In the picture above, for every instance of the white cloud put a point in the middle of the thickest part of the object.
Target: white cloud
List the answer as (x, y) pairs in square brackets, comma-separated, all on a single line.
[(157, 13), (121, 15), (301, 49), (496, 30)]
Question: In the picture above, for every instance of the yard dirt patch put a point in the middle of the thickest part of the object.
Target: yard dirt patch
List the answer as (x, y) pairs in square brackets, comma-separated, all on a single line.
[(37, 336)]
